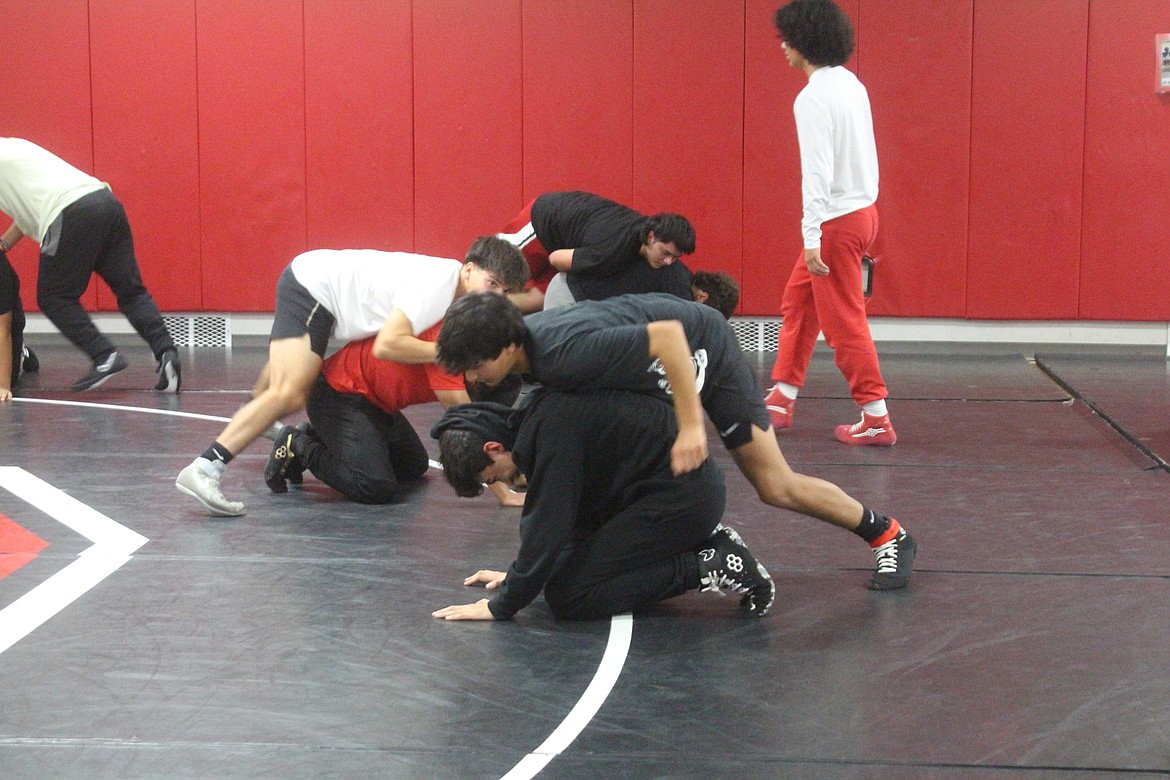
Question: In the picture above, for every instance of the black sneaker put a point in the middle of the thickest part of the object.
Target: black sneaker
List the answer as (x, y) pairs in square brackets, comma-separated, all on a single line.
[(726, 564), (895, 562), (295, 472), (29, 364), (170, 375), (280, 460), (100, 372)]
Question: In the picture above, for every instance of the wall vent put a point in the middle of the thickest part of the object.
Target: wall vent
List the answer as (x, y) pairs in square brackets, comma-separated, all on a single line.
[(199, 330)]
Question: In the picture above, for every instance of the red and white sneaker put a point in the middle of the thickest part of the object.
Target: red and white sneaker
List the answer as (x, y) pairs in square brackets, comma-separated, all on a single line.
[(874, 431), (780, 408)]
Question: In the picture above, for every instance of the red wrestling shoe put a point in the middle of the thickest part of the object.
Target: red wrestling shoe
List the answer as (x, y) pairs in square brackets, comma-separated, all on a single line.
[(875, 431), (780, 408)]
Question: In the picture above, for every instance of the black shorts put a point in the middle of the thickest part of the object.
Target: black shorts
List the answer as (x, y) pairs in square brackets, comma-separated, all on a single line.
[(298, 313), (731, 393)]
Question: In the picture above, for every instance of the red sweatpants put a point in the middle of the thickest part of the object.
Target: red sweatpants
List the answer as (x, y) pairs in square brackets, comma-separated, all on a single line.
[(519, 232), (836, 305)]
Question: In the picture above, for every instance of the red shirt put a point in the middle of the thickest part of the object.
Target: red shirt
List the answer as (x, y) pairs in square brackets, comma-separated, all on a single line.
[(387, 385)]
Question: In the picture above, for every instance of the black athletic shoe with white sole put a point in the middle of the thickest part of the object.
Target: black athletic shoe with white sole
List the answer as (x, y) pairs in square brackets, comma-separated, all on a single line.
[(170, 375), (100, 372), (895, 562), (29, 363), (726, 565), (281, 461)]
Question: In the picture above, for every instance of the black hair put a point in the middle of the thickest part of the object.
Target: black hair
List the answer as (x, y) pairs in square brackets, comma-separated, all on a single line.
[(463, 459), (671, 229), (476, 328), (818, 29), (722, 291), (498, 257)]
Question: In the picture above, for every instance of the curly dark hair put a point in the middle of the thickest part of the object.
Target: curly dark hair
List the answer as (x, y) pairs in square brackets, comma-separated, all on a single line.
[(818, 29), (498, 257), (722, 291), (476, 328), (463, 459), (671, 228)]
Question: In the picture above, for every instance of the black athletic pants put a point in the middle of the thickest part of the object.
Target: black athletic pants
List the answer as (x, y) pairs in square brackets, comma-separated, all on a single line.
[(92, 235), (644, 554), (358, 449)]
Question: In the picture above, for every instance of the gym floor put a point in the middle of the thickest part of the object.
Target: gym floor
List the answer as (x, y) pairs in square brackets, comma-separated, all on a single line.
[(140, 638)]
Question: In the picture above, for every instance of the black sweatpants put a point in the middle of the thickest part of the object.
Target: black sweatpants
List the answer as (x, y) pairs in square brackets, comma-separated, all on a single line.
[(10, 303), (358, 449), (645, 553), (92, 235)]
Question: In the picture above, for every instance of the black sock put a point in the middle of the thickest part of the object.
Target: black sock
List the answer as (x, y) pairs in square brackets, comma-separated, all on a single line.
[(872, 525), (218, 452)]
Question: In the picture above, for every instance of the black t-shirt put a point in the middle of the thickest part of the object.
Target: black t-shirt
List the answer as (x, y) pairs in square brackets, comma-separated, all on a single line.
[(638, 277), (604, 344), (605, 236), (588, 458)]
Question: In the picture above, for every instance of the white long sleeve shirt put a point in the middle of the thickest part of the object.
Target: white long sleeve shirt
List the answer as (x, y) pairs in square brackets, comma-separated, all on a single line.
[(838, 155), (37, 185)]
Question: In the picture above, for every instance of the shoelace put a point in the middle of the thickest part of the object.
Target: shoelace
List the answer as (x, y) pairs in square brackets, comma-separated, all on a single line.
[(720, 581), (887, 557)]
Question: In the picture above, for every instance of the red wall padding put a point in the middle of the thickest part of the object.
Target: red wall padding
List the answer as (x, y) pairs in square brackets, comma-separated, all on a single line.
[(1125, 270), (688, 121), (923, 132), (467, 117), (358, 124), (1024, 154), (46, 98), (771, 164), (1027, 148), (251, 148), (578, 99), (146, 139)]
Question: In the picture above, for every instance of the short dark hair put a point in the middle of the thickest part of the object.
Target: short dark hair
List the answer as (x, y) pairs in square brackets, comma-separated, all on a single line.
[(722, 291), (476, 328), (818, 29), (671, 229), (463, 459), (498, 257)]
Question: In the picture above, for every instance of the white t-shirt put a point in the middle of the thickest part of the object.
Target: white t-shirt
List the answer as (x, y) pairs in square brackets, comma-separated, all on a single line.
[(37, 185), (838, 155), (361, 287)]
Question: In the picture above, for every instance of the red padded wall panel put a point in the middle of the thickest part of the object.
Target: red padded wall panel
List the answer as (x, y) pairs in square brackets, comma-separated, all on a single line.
[(771, 165), (1027, 145), (252, 148), (688, 121), (467, 132), (146, 142), (1125, 272), (923, 130), (47, 98), (578, 97), (359, 127)]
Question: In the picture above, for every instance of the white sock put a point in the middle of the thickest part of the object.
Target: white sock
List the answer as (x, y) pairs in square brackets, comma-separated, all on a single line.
[(788, 391), (876, 408)]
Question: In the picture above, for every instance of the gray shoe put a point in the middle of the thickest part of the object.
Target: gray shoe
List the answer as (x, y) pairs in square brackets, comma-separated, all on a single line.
[(170, 375), (204, 488)]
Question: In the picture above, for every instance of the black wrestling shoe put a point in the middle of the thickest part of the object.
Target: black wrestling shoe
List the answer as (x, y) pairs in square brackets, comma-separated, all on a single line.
[(29, 364), (170, 375), (726, 565), (101, 372), (280, 460), (295, 472), (895, 561)]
